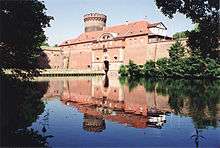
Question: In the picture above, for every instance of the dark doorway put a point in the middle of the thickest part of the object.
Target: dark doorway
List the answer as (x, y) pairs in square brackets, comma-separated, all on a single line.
[(106, 66)]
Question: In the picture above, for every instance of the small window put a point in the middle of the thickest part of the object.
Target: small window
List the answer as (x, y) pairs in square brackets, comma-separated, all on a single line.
[(88, 66), (97, 58), (115, 58), (105, 50)]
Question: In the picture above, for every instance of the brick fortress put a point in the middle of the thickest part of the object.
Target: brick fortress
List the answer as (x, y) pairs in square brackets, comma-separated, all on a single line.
[(138, 41)]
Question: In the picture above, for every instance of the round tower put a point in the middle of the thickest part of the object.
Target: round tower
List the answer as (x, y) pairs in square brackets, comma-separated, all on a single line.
[(94, 22)]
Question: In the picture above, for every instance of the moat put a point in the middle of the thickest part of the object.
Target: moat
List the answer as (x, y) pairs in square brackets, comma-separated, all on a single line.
[(110, 112)]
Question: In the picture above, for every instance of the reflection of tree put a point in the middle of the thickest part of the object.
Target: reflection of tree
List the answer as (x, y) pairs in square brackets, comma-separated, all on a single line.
[(149, 85), (197, 136), (133, 83), (196, 98), (20, 106)]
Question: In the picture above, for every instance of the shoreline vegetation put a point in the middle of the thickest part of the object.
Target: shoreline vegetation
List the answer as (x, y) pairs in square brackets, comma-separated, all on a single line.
[(181, 65)]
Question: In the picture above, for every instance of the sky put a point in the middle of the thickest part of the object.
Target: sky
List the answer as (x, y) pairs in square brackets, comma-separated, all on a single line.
[(68, 16)]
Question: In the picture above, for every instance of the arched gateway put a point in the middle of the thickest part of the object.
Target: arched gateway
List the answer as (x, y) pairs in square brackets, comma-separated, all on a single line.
[(105, 60)]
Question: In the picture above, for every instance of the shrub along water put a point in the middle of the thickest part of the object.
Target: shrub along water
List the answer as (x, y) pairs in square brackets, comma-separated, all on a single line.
[(180, 65)]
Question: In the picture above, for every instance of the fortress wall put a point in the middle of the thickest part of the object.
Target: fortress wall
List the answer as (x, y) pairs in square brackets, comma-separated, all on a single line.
[(135, 41), (80, 59), (53, 57), (137, 54)]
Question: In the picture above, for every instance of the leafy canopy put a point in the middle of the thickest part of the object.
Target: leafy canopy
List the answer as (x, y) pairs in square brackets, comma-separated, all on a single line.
[(22, 34), (176, 51), (203, 40)]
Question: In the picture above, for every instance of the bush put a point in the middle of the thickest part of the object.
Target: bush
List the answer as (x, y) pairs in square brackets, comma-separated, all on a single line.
[(123, 70), (133, 70), (149, 69)]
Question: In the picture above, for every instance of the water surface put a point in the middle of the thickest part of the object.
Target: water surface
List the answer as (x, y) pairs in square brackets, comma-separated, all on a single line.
[(110, 112)]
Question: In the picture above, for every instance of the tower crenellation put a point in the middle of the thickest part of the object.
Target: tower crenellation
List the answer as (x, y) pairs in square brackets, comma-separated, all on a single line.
[(94, 22)]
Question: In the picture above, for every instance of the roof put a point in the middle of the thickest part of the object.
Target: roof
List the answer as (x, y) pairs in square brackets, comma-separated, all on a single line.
[(125, 30), (156, 24)]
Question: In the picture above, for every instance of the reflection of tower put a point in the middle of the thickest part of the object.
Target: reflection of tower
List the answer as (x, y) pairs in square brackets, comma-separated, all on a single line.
[(93, 123)]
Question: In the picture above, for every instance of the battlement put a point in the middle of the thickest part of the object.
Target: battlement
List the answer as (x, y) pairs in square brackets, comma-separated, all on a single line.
[(95, 16), (94, 22)]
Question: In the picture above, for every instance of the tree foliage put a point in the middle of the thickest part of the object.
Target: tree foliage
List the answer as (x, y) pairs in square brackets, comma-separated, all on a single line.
[(133, 70), (22, 34), (204, 40), (183, 34), (176, 51), (177, 66)]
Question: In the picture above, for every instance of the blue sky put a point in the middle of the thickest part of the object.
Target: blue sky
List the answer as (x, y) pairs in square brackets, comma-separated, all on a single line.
[(68, 16)]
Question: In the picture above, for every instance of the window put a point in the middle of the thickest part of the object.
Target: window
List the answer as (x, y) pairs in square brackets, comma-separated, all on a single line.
[(115, 58), (88, 66), (97, 58), (105, 50)]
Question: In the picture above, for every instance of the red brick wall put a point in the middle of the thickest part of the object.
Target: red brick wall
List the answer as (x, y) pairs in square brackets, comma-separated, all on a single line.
[(54, 58), (80, 59), (136, 48)]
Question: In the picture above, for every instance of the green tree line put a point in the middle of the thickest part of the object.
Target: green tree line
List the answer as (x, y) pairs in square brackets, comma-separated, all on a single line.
[(181, 64)]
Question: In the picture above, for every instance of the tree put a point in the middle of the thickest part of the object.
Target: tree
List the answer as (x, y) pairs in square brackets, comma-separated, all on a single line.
[(183, 34), (45, 44), (204, 40), (176, 51), (133, 70), (22, 34)]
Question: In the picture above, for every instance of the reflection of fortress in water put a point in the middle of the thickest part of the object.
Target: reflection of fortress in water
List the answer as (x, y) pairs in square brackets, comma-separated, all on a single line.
[(108, 100)]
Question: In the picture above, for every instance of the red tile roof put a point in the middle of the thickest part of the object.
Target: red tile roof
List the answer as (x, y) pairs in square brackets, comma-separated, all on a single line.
[(125, 30)]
